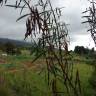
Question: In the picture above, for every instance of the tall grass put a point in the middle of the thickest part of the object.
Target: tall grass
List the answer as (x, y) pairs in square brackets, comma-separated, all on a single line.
[(29, 83)]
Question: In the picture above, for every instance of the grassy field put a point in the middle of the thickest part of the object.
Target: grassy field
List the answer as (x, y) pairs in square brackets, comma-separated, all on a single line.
[(19, 76)]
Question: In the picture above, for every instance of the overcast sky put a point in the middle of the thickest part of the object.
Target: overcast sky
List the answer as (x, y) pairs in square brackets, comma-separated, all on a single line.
[(9, 28)]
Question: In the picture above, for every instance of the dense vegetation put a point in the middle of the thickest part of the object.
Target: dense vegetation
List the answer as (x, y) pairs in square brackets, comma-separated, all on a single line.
[(20, 77)]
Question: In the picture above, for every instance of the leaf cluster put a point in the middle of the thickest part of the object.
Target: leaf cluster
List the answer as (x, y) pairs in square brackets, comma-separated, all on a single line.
[(91, 19)]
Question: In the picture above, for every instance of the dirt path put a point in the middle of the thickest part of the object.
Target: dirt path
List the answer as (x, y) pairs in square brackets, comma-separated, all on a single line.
[(28, 65)]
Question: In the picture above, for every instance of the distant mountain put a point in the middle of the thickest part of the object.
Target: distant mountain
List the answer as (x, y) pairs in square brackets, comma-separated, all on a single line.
[(16, 42)]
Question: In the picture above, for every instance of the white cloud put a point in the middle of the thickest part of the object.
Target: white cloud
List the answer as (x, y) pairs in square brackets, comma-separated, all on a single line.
[(82, 40)]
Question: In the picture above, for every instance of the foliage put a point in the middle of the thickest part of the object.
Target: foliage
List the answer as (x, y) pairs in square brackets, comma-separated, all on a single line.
[(92, 80), (1, 46), (3, 1), (91, 18), (81, 50), (9, 48), (84, 51), (17, 51)]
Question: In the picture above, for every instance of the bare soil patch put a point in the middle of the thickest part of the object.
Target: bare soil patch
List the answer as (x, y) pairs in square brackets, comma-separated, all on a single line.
[(2, 61)]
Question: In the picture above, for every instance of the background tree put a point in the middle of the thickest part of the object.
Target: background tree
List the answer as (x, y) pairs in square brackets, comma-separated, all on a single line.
[(81, 50), (1, 46), (9, 48), (17, 51)]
